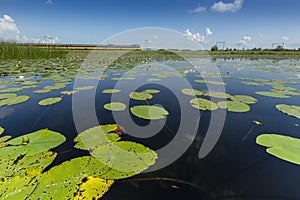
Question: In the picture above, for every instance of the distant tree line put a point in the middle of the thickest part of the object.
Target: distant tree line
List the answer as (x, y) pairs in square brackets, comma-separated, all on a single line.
[(278, 48)]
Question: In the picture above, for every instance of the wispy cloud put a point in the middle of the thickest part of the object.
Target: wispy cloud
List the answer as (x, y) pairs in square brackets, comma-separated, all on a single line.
[(208, 32), (285, 38), (227, 7), (49, 2), (198, 9), (245, 42)]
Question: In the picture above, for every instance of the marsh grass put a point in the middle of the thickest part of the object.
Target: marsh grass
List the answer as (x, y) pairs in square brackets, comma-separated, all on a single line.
[(15, 51)]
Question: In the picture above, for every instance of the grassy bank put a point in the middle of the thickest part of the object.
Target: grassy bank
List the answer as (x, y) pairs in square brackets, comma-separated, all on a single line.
[(14, 51)]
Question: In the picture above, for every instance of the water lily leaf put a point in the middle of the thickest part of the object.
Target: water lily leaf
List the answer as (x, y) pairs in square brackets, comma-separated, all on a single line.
[(39, 141), (17, 187), (115, 106), (253, 83), (220, 95), (42, 91), (111, 91), (210, 82), (26, 165), (283, 147), (55, 86), (234, 106), (153, 79), (203, 104), (11, 89), (271, 94), (149, 112), (244, 98), (85, 88), (1, 130), (13, 100), (191, 92), (96, 136), (140, 96), (124, 156), (151, 91), (7, 95), (50, 101), (289, 110), (92, 188)]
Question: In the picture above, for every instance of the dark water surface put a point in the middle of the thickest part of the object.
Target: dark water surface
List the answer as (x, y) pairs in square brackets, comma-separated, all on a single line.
[(236, 168)]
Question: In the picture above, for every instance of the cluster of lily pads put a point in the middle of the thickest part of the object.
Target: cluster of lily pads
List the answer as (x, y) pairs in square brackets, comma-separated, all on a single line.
[(23, 161)]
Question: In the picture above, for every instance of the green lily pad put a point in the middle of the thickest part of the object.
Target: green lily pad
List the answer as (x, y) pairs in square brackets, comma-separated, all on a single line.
[(289, 110), (244, 98), (220, 95), (96, 136), (55, 86), (149, 112), (111, 91), (115, 106), (11, 89), (42, 91), (26, 166), (234, 106), (14, 100), (85, 88), (283, 147), (153, 79), (50, 101), (210, 82), (92, 188), (253, 83), (203, 104), (1, 130), (140, 96), (7, 95), (17, 187), (271, 94), (38, 142), (191, 92), (151, 91)]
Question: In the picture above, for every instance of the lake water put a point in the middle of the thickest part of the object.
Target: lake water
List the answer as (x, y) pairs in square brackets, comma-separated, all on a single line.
[(236, 168)]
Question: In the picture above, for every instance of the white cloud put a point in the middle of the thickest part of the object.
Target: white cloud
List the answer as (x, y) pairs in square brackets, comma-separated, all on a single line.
[(208, 32), (285, 38), (50, 2), (245, 42), (8, 28), (227, 7), (194, 36), (198, 9), (10, 32)]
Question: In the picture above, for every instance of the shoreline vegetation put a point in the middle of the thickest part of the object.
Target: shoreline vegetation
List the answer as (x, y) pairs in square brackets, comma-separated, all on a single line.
[(15, 51)]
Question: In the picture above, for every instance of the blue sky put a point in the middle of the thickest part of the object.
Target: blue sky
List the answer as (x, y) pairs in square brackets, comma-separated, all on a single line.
[(241, 23)]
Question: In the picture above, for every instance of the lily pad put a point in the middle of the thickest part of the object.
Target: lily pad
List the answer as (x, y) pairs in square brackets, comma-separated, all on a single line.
[(283, 147), (42, 91), (289, 110), (234, 106), (111, 91), (1, 130), (210, 82), (191, 92), (203, 104), (149, 112), (92, 188), (85, 88), (38, 142), (50, 101), (7, 95), (253, 83), (244, 98), (271, 94), (140, 96), (220, 95), (11, 89), (151, 91), (115, 106), (14, 100)]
